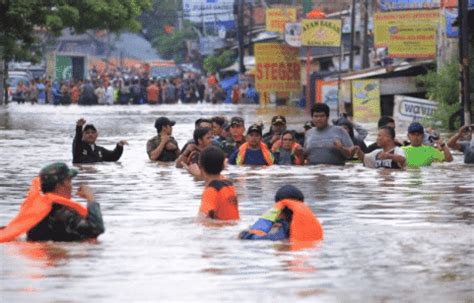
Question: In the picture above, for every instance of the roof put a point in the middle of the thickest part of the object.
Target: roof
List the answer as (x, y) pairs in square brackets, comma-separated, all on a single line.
[(378, 71)]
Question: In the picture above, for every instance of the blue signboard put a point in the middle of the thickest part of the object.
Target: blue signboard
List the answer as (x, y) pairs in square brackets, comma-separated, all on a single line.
[(451, 15), (394, 5)]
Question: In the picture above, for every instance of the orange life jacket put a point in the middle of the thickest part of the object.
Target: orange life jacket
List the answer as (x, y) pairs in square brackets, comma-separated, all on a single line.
[(304, 224), (35, 208), (294, 158), (267, 155)]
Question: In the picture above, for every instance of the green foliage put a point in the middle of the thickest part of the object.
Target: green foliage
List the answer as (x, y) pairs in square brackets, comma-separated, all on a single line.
[(215, 63), (173, 45), (443, 87), (20, 19), (169, 45)]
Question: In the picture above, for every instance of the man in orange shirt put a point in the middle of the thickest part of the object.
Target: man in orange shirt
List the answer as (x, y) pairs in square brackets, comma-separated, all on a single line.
[(152, 92)]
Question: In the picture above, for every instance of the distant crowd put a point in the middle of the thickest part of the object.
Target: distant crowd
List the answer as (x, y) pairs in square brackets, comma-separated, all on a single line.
[(113, 88)]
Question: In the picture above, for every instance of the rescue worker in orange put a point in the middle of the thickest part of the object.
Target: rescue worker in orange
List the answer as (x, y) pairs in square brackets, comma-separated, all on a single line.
[(289, 219), (254, 151), (219, 200), (49, 214), (287, 151), (152, 93)]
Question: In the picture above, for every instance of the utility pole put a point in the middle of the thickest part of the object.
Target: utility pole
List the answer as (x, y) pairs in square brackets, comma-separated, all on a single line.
[(365, 46), (464, 94), (240, 34), (351, 52)]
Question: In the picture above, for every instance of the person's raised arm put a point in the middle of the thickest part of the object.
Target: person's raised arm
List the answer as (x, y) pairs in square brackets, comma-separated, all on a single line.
[(453, 141)]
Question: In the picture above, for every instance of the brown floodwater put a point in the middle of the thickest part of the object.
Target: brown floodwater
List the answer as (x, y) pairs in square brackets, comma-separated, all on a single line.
[(390, 236)]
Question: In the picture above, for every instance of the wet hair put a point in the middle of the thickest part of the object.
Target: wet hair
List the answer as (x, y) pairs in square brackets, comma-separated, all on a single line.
[(218, 120), (344, 122), (390, 131), (320, 108), (211, 160), (199, 133), (286, 132), (201, 120), (384, 120), (289, 192)]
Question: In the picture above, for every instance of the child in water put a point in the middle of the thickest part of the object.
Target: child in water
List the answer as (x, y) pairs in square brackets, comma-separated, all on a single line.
[(219, 200), (289, 218)]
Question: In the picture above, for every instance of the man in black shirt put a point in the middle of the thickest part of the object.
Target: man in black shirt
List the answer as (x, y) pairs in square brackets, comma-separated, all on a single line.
[(84, 149)]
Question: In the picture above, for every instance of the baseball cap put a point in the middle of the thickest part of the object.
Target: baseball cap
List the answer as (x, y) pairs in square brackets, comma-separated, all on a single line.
[(163, 121), (226, 125), (236, 120), (289, 192), (278, 119), (56, 172), (416, 127), (254, 128), (89, 126)]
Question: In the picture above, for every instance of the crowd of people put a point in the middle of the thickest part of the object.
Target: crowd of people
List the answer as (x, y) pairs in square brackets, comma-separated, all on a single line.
[(137, 88), (48, 213)]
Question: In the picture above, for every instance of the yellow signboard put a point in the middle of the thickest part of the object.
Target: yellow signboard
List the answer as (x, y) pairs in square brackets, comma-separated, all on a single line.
[(277, 68), (276, 18), (366, 100), (385, 24), (321, 32), (413, 40)]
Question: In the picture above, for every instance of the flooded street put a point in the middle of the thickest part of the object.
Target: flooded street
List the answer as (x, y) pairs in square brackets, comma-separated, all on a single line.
[(390, 236)]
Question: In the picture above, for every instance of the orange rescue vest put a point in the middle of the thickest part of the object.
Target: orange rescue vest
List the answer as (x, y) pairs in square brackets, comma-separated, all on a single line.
[(35, 208), (296, 159), (267, 155), (304, 225)]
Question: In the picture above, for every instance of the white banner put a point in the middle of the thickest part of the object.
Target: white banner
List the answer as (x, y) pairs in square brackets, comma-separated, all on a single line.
[(208, 11), (293, 34), (409, 109)]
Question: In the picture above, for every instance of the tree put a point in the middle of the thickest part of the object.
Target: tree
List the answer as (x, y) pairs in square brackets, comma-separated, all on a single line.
[(443, 87), (161, 26), (215, 63), (20, 19)]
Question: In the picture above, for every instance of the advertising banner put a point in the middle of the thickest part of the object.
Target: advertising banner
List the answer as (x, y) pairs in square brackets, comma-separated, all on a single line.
[(409, 109), (388, 24), (366, 100), (394, 5), (450, 15), (321, 32), (327, 92), (276, 18), (216, 12), (412, 40), (63, 68), (277, 68), (293, 34)]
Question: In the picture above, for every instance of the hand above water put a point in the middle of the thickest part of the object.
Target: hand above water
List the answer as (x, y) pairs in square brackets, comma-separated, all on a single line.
[(81, 122), (122, 142), (85, 192)]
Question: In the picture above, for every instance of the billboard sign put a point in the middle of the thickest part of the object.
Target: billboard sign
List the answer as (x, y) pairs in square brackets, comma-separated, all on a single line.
[(321, 32), (276, 18), (277, 68), (293, 34), (217, 12)]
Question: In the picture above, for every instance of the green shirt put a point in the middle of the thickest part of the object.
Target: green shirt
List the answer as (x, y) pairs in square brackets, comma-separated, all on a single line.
[(422, 155)]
